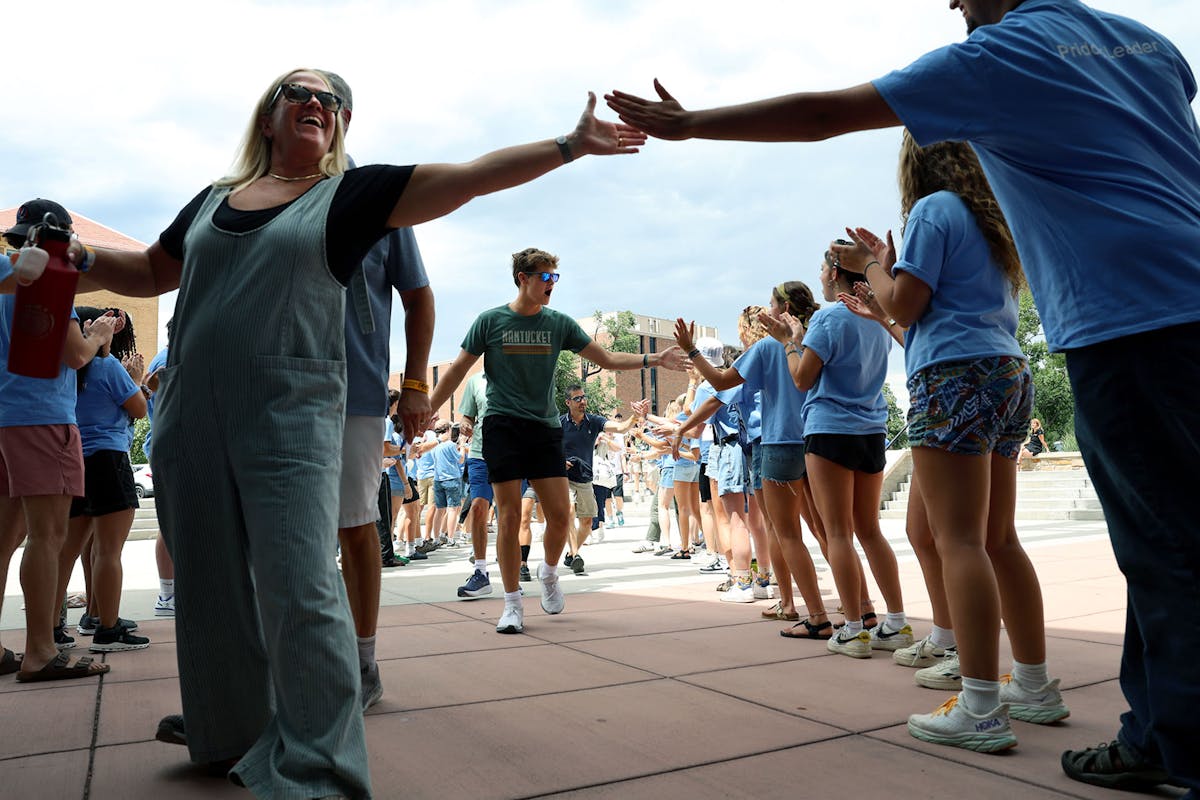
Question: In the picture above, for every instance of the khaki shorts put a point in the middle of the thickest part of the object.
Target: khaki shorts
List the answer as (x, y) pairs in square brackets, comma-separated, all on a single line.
[(362, 460), (425, 491), (585, 499)]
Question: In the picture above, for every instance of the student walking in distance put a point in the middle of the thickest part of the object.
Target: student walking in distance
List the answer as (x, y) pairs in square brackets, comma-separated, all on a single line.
[(522, 436), (1082, 121)]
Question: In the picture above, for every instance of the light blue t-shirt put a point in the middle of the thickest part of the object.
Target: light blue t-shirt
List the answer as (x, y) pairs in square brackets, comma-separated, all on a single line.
[(764, 370), (31, 401), (158, 362), (750, 410), (1082, 122), (425, 467), (848, 395), (973, 311), (103, 423), (446, 462), (724, 418), (393, 263), (396, 438)]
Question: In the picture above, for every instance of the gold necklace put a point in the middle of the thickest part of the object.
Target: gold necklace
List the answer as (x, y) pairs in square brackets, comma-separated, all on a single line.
[(301, 178)]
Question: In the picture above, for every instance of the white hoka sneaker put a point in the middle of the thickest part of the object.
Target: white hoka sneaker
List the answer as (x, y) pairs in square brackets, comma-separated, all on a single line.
[(922, 654), (884, 638), (955, 725), (553, 600), (1041, 706), (857, 645), (512, 620), (943, 675), (739, 592)]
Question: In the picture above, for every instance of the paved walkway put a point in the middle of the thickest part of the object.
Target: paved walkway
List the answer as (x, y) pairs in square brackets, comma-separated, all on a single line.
[(646, 687)]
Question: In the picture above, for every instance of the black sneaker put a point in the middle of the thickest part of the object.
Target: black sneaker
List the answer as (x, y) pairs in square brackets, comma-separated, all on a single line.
[(525, 576), (88, 625), (115, 640), (171, 731), (417, 555), (577, 565), (61, 640), (567, 561)]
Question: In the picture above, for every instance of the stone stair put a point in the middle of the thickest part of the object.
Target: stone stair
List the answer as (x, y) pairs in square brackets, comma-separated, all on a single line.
[(145, 522), (1042, 494)]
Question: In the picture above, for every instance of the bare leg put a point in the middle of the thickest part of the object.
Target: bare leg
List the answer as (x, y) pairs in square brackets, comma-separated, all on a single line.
[(554, 503), (12, 533), (477, 524), (783, 508), (665, 496), (361, 570), (921, 537), (508, 522), (46, 524), (880, 555), (833, 491), (1020, 591), (734, 508)]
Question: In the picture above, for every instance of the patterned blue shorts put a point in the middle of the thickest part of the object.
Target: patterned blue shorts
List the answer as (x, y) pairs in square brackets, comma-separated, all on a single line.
[(971, 407)]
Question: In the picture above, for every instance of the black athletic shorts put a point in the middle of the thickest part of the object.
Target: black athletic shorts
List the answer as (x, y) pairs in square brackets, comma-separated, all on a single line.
[(516, 448), (414, 495), (860, 453), (107, 485), (705, 490)]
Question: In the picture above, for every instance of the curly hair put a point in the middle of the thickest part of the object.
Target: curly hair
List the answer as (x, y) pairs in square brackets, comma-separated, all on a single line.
[(797, 299), (750, 330), (954, 167)]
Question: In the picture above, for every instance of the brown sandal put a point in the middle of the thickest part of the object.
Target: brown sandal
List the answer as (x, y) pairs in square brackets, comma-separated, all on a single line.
[(61, 669), (776, 612), (822, 631)]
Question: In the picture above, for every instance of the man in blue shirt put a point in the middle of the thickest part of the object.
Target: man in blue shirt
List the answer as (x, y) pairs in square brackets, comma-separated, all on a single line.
[(1082, 122)]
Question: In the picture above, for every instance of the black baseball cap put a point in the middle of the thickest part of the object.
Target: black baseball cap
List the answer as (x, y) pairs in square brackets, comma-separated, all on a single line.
[(33, 212)]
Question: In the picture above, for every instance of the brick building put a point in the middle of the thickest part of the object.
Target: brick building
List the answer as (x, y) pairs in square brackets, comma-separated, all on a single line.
[(143, 310)]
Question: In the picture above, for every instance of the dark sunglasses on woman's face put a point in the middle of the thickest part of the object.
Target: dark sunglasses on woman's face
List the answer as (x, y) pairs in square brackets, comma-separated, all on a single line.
[(295, 93), (547, 277)]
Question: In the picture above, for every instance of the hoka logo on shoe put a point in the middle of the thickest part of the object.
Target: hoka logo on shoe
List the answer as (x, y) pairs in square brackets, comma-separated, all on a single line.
[(988, 724)]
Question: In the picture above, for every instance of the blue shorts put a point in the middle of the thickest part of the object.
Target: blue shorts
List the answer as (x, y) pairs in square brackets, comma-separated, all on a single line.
[(396, 485), (756, 464), (447, 493), (733, 473), (477, 474), (971, 407), (783, 463), (687, 472), (666, 477)]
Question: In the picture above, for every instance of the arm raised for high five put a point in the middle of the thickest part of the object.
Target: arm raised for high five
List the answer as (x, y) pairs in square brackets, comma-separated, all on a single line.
[(801, 117)]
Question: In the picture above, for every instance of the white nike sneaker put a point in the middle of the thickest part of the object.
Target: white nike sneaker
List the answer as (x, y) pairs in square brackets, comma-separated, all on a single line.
[(884, 638), (921, 654), (1042, 706)]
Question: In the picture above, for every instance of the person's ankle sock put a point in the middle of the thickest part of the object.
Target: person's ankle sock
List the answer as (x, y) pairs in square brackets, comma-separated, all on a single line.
[(366, 652), (895, 621), (853, 628), (980, 696), (481, 565), (524, 553), (166, 589), (1030, 676), (551, 570), (512, 598), (943, 637)]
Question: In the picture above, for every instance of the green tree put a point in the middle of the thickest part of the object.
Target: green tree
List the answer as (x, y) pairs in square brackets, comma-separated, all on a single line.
[(1054, 404), (140, 428), (895, 420)]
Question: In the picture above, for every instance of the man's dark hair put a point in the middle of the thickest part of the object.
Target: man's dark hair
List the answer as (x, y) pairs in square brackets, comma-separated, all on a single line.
[(532, 260)]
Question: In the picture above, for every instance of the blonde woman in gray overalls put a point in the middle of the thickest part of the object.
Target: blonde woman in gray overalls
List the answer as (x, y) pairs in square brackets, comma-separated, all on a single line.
[(249, 424)]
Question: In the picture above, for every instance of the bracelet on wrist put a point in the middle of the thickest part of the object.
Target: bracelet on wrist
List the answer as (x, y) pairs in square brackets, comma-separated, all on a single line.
[(870, 264), (695, 351), (89, 258), (415, 385), (645, 360)]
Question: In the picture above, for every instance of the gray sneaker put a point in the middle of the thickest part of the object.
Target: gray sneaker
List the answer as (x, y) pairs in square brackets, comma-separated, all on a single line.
[(943, 675)]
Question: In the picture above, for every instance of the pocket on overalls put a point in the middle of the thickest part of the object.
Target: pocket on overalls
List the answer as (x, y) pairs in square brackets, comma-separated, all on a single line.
[(297, 406)]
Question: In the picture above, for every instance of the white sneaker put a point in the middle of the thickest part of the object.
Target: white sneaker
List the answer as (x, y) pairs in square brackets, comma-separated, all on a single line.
[(512, 620), (884, 638), (739, 592), (943, 675), (922, 654), (646, 547), (1041, 706), (765, 590), (954, 724), (165, 606), (857, 645), (715, 564), (598, 535), (553, 600)]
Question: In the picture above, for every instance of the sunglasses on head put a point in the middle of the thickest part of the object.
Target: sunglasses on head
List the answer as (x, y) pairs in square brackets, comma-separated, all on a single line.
[(295, 93), (547, 277)]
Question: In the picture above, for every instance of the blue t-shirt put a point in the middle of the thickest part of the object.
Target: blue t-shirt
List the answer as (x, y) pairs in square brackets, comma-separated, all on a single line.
[(103, 423), (425, 467), (848, 395), (579, 441), (750, 410), (158, 362), (764, 370), (393, 263), (31, 401), (725, 418), (446, 462), (1083, 124), (396, 438), (973, 311)]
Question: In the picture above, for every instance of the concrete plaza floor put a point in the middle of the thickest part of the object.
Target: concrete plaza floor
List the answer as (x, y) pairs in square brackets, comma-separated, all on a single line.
[(646, 687)]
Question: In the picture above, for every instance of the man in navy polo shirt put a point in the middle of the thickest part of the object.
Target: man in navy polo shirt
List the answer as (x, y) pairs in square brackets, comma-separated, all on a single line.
[(580, 431)]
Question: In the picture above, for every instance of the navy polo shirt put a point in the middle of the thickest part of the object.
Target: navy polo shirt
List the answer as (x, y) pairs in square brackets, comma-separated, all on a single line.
[(578, 442)]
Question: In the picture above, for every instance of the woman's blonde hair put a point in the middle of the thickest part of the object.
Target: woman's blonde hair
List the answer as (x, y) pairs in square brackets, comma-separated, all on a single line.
[(954, 167), (750, 330), (253, 159)]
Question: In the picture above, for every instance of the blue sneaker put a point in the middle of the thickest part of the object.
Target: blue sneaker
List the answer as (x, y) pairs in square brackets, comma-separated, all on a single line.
[(476, 586)]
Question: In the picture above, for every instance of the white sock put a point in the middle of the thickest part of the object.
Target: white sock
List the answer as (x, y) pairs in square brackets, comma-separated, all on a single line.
[(943, 637), (514, 599), (895, 621), (980, 696), (481, 565), (166, 589), (366, 652), (551, 570), (853, 627), (1031, 676), (410, 548)]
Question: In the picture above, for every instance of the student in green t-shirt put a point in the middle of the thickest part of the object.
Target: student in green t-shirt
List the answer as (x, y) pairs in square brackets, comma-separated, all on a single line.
[(522, 436)]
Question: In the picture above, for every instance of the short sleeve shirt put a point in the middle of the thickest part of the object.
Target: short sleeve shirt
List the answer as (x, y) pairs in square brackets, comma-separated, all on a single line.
[(848, 395), (474, 405), (763, 368), (103, 423), (579, 442)]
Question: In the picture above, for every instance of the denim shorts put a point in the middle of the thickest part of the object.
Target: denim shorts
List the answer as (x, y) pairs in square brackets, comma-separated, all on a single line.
[(687, 472), (666, 477), (783, 463), (756, 464), (477, 475), (447, 493), (733, 473), (972, 407)]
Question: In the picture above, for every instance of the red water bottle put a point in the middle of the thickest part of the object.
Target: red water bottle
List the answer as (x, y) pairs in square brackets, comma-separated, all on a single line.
[(43, 308)]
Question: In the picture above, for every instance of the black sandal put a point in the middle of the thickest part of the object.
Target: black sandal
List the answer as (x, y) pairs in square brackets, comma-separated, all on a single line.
[(869, 620), (822, 631), (1113, 766)]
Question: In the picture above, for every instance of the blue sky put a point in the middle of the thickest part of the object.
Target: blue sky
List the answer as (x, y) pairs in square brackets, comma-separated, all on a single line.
[(141, 104)]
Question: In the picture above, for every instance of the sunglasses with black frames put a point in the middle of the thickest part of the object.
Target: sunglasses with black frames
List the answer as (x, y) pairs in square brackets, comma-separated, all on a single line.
[(577, 398), (295, 93), (547, 277)]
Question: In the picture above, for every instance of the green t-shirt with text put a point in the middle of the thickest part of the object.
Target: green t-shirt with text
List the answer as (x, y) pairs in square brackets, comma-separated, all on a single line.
[(519, 357)]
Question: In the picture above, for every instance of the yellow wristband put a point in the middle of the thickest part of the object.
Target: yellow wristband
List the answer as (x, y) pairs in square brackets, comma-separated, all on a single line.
[(415, 385)]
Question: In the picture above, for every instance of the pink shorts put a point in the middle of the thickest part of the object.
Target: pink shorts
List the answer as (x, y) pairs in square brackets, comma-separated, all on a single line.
[(41, 460)]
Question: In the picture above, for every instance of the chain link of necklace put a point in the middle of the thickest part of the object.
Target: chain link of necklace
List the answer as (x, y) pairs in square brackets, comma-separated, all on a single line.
[(301, 178)]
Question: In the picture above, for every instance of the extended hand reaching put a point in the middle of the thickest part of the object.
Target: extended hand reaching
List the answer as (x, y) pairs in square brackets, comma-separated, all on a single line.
[(598, 137), (664, 119)]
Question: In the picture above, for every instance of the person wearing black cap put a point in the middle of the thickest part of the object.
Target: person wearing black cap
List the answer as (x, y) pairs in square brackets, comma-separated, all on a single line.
[(41, 468)]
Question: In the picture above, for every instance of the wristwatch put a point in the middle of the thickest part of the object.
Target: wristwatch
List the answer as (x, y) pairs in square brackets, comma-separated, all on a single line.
[(565, 149)]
